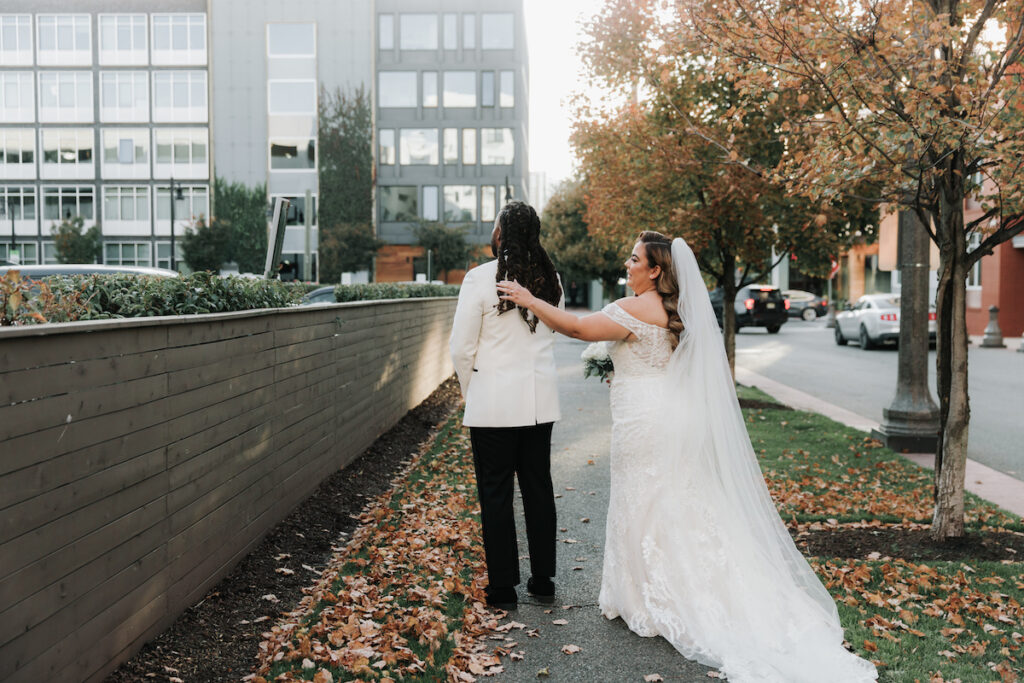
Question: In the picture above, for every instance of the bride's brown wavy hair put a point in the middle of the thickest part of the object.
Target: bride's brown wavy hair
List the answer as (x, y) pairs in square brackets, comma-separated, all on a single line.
[(658, 249)]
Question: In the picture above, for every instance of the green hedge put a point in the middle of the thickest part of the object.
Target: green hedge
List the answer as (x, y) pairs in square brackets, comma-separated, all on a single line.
[(391, 290), (98, 297), (134, 296)]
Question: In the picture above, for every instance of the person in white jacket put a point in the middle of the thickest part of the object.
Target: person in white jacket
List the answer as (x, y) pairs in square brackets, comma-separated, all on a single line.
[(504, 358)]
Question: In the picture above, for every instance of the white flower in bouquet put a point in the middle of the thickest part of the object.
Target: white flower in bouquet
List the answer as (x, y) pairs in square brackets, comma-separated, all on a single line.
[(596, 361)]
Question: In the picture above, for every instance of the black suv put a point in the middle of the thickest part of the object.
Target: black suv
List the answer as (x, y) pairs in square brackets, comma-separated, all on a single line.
[(756, 306)]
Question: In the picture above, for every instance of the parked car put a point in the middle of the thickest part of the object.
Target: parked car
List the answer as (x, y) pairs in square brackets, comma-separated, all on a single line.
[(756, 306), (321, 295), (874, 320), (806, 305), (39, 272)]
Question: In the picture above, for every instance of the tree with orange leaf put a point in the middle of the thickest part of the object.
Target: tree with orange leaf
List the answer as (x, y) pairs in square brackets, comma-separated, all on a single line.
[(655, 162), (924, 108)]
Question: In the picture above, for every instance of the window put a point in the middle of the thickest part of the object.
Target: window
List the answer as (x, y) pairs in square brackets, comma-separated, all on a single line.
[(451, 28), (17, 153), (125, 204), (296, 214), (418, 146), (429, 88), (508, 89), (497, 31), (124, 96), (430, 212), (193, 205), (123, 39), (292, 97), (64, 39), (396, 89), (67, 153), (19, 200), (163, 254), (15, 39), (460, 88), (179, 96), (50, 253), (488, 203), (291, 40), (65, 96), (469, 31), (181, 152), (974, 274), (28, 253), (386, 31), (487, 89), (451, 145), (398, 203), (125, 153), (292, 155), (417, 31), (63, 202), (386, 141), (459, 203), (469, 145), (179, 39), (126, 253), (17, 101), (496, 146)]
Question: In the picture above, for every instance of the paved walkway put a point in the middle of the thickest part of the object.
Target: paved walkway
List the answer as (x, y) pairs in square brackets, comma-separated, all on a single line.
[(609, 652)]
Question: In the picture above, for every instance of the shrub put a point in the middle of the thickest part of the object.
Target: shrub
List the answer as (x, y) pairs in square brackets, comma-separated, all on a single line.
[(391, 290), (123, 295), (135, 296)]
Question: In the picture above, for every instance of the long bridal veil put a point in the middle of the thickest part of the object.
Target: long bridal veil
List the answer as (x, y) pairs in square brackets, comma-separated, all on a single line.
[(776, 620)]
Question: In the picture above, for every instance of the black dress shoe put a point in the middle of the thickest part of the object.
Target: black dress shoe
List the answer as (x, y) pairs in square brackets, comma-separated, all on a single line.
[(502, 597), (541, 588)]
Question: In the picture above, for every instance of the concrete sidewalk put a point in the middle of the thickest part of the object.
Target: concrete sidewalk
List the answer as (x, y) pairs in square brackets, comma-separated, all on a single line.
[(1002, 489), (609, 652)]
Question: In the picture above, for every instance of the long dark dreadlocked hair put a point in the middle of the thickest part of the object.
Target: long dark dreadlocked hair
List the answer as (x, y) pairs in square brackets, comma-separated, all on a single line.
[(521, 258)]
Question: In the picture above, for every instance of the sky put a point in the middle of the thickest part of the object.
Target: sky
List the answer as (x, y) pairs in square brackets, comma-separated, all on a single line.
[(552, 32)]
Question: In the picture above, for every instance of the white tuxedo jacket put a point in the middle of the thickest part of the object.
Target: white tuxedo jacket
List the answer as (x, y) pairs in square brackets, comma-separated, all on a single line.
[(507, 374)]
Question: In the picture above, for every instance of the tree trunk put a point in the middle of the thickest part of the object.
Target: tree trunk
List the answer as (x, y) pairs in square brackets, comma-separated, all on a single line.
[(729, 309), (951, 367)]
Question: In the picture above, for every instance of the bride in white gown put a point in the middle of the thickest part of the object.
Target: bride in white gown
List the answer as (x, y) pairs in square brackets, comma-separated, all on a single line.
[(695, 550)]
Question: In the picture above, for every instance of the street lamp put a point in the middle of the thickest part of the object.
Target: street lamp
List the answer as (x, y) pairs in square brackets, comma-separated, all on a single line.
[(172, 197)]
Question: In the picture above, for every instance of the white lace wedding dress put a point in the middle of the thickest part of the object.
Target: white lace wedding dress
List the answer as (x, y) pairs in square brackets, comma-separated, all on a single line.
[(685, 562)]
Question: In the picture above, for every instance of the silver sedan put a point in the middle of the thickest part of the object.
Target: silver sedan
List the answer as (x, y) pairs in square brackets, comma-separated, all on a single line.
[(874, 320)]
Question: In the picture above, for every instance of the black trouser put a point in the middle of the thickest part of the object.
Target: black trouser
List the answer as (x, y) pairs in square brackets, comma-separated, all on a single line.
[(498, 454)]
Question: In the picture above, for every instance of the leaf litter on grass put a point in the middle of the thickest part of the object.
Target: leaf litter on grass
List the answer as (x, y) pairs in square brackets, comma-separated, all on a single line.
[(403, 600)]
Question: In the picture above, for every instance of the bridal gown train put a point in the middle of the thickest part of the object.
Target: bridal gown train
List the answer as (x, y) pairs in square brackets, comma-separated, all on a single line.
[(679, 564)]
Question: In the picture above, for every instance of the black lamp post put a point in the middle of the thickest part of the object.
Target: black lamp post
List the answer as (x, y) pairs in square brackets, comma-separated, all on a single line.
[(171, 197)]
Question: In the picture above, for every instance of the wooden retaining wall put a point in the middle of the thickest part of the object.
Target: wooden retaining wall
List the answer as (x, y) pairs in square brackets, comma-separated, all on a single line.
[(141, 459)]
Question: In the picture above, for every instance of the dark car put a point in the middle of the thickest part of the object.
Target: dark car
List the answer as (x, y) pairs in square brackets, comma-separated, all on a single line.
[(806, 305), (756, 306)]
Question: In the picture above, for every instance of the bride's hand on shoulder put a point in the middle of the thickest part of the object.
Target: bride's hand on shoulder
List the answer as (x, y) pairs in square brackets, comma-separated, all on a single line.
[(511, 290)]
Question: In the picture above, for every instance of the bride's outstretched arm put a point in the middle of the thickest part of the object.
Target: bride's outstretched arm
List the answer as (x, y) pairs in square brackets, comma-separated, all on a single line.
[(595, 327)]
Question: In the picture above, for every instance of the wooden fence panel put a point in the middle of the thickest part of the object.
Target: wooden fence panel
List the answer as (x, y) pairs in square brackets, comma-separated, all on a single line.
[(141, 459)]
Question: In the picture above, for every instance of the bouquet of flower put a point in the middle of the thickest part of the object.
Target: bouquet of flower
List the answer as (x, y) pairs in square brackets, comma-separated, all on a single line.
[(596, 361)]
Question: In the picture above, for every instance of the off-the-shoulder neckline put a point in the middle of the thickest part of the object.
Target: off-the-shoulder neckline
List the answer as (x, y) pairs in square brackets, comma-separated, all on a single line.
[(642, 322)]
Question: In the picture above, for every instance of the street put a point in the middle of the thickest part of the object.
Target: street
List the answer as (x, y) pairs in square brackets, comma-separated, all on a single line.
[(805, 356)]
